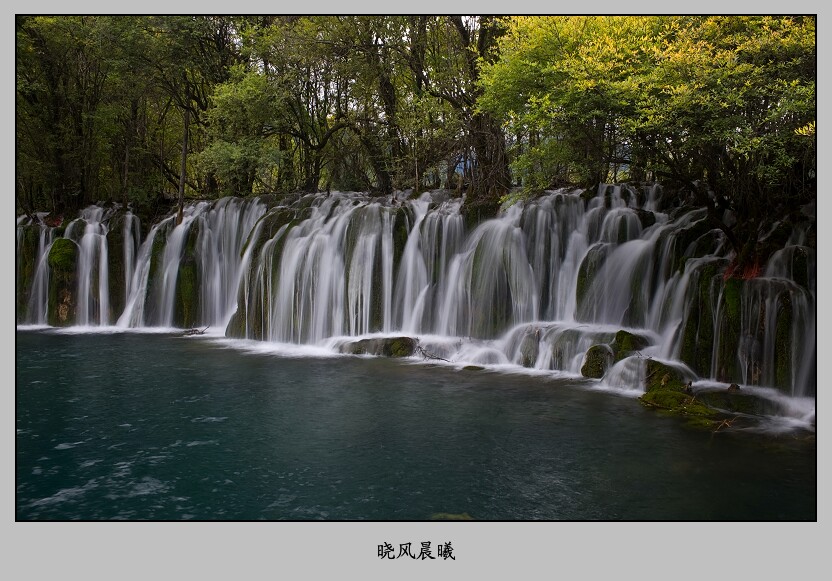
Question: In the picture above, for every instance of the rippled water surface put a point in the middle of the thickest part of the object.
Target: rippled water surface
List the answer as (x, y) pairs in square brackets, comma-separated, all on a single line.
[(156, 426)]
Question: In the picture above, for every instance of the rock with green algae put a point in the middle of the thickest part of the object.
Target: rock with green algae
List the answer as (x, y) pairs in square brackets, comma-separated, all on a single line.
[(739, 401), (186, 305), (659, 375), (63, 283), (590, 266), (667, 390), (783, 344), (115, 266), (597, 360), (275, 225), (451, 516), (383, 346), (729, 331), (698, 326), (626, 344)]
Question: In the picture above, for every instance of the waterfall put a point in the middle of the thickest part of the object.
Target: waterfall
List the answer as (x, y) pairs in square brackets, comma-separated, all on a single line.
[(38, 287), (223, 231), (535, 287), (132, 237), (93, 299)]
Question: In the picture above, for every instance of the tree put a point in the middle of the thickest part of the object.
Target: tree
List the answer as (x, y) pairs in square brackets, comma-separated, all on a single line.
[(721, 109)]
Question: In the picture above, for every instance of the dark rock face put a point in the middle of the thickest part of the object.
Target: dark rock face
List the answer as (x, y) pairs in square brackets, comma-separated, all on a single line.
[(27, 252), (529, 348)]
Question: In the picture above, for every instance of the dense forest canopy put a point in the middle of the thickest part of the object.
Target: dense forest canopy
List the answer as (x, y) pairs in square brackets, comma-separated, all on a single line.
[(142, 109)]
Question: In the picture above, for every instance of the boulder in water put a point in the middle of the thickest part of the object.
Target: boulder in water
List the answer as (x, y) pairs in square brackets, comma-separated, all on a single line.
[(383, 346), (626, 344), (597, 360), (667, 388), (736, 401)]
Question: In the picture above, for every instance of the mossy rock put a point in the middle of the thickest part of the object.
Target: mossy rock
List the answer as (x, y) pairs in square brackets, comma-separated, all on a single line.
[(686, 405), (591, 264), (597, 360), (451, 516), (478, 211), (728, 366), (687, 242), (63, 256), (157, 250), (739, 402), (382, 346), (63, 283), (661, 376), (115, 266), (783, 343), (473, 368), (626, 344), (698, 326)]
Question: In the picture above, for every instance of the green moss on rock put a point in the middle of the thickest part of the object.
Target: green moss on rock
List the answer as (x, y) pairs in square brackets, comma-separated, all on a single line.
[(63, 284), (626, 344), (729, 331), (783, 344), (382, 346), (597, 360), (115, 266), (739, 401), (63, 255), (450, 516), (698, 329), (589, 268), (661, 376), (188, 282)]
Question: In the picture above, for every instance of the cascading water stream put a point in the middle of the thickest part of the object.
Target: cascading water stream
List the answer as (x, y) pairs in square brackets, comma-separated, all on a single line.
[(38, 302), (93, 301), (223, 231)]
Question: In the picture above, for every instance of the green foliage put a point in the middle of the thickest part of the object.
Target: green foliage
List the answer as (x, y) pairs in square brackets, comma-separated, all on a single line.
[(723, 107)]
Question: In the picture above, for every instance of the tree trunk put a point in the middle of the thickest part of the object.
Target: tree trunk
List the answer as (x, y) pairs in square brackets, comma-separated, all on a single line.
[(186, 121)]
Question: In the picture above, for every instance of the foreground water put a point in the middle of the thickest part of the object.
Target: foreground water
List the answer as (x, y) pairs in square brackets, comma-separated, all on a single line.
[(157, 426)]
